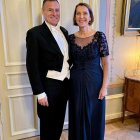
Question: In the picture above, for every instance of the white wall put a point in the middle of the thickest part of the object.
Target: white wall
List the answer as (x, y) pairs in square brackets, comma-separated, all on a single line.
[(124, 50)]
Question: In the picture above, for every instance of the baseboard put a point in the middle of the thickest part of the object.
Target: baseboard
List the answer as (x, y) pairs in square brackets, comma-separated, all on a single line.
[(113, 116), (133, 116)]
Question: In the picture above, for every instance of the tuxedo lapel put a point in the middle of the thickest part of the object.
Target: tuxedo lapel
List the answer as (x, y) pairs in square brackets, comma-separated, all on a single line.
[(64, 32), (50, 38)]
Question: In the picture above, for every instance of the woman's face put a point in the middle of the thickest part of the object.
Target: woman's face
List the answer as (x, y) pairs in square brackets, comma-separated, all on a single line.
[(82, 16)]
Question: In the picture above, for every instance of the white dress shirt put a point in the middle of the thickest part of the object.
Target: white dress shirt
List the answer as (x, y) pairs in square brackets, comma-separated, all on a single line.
[(63, 45)]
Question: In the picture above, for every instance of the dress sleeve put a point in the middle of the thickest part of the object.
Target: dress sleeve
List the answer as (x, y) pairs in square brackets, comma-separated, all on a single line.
[(104, 51)]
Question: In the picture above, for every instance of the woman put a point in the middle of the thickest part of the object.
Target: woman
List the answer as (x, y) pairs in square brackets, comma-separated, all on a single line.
[(88, 79)]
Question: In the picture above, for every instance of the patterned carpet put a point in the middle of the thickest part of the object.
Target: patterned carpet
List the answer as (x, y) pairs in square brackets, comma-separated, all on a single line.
[(114, 131)]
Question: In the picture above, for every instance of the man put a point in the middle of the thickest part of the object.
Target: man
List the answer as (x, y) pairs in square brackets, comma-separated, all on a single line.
[(48, 70)]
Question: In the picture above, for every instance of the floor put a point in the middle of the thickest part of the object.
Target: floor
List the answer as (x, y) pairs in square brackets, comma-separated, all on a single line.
[(114, 131)]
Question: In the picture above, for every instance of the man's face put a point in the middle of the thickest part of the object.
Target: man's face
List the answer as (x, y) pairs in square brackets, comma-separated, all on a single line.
[(51, 12)]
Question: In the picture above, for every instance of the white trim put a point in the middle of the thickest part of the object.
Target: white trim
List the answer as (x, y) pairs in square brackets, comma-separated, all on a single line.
[(5, 41), (8, 64), (42, 18), (117, 115), (113, 116), (4, 32), (19, 95), (109, 97), (14, 73), (24, 131), (5, 38), (11, 117), (1, 123), (17, 86)]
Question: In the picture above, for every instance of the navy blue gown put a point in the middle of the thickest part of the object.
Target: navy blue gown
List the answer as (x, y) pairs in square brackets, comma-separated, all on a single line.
[(86, 111)]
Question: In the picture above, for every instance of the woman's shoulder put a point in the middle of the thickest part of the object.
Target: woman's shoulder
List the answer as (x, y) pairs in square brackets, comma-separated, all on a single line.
[(71, 36), (100, 33)]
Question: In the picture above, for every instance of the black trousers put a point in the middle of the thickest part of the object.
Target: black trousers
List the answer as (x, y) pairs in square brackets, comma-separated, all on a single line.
[(52, 117)]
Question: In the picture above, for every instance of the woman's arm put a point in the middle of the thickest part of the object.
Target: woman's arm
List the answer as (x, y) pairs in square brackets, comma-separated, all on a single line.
[(105, 66)]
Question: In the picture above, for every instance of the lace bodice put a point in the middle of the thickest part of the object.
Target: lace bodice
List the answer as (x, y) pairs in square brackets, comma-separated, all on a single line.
[(89, 48)]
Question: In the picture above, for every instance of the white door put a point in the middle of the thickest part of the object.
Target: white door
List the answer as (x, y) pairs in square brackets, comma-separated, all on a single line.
[(17, 116)]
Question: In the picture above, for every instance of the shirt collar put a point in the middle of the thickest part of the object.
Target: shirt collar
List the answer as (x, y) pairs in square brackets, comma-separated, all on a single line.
[(51, 27)]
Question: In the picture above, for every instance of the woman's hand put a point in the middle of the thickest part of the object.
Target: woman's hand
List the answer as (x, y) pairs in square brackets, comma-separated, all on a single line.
[(102, 93)]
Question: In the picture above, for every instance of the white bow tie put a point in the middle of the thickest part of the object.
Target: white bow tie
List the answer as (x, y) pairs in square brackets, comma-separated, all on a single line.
[(57, 28)]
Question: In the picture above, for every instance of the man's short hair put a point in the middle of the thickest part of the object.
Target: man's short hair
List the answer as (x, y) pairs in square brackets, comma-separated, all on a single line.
[(48, 0)]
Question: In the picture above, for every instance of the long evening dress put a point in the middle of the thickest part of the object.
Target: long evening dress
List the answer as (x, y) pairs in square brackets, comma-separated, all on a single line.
[(86, 111)]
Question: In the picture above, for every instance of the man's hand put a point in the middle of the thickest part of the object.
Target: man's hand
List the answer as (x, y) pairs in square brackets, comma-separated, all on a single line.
[(43, 101)]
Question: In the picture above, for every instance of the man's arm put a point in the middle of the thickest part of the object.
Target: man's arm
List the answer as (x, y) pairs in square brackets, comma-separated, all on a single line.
[(32, 63)]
